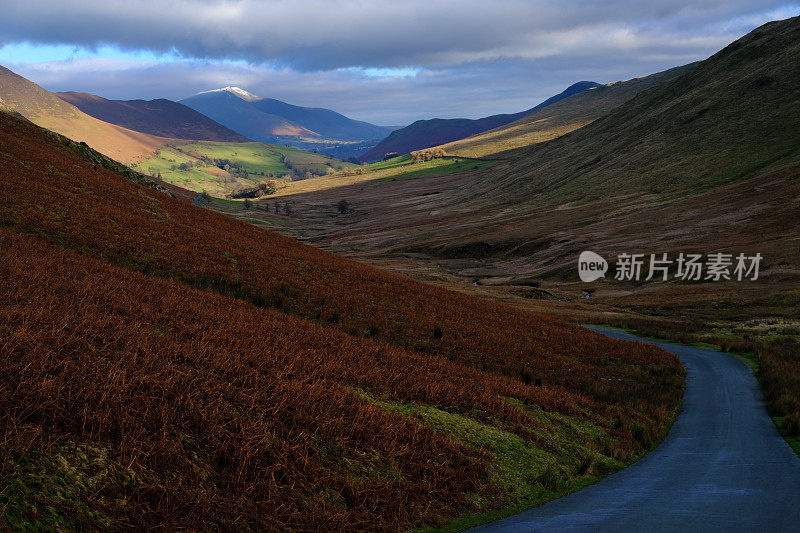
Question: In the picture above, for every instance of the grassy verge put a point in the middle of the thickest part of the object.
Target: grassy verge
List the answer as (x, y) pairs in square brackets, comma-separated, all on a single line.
[(69, 488), (564, 454), (779, 374), (792, 440)]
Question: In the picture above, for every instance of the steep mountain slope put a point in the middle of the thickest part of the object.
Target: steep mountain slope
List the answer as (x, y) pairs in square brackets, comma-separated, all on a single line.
[(161, 117), (269, 120), (233, 111), (49, 111), (167, 366), (328, 124), (732, 117), (559, 118), (427, 133)]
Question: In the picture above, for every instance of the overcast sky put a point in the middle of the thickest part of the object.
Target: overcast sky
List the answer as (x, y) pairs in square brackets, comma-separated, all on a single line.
[(387, 62)]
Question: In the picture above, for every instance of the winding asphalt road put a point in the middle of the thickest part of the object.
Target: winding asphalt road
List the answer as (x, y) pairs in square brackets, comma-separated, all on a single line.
[(723, 466)]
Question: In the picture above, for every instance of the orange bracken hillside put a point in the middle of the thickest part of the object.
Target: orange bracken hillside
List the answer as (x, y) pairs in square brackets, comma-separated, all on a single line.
[(200, 372), (49, 111), (182, 383)]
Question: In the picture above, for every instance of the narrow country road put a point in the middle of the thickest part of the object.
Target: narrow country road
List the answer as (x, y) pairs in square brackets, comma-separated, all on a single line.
[(723, 466)]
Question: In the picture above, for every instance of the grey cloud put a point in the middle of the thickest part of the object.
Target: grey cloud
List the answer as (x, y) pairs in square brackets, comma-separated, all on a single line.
[(476, 58), (324, 35), (469, 90)]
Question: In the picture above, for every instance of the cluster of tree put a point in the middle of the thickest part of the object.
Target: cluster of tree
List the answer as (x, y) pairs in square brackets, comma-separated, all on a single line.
[(351, 171), (427, 154), (205, 159), (231, 167), (237, 171), (303, 172), (390, 155), (262, 189), (287, 208)]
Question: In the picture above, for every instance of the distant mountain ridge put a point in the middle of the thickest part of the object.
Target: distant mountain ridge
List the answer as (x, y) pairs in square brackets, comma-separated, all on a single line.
[(426, 133), (727, 118), (238, 114), (329, 124), (160, 117), (270, 120), (563, 116)]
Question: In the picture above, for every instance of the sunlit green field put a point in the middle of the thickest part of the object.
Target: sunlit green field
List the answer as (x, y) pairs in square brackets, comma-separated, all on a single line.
[(392, 163), (404, 165), (221, 168), (257, 158)]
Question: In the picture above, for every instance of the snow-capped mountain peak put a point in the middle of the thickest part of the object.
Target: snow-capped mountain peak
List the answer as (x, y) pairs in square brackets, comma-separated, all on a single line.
[(236, 91)]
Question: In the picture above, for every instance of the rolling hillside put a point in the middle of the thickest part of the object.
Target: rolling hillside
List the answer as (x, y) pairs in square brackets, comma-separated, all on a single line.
[(217, 167), (168, 366), (426, 133), (706, 162), (49, 111), (557, 119), (728, 119), (220, 169), (161, 117), (732, 117)]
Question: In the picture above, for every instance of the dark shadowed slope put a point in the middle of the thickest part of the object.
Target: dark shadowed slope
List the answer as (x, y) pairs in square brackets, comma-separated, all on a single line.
[(558, 119), (328, 124), (426, 133), (723, 467), (161, 117)]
